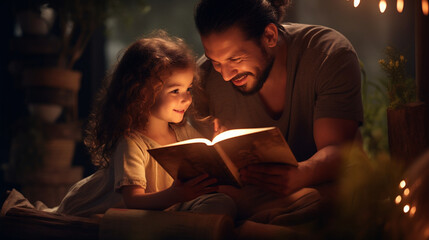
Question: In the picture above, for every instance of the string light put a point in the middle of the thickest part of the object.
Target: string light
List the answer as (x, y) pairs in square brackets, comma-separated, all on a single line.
[(400, 5), (398, 199), (425, 7), (382, 5), (413, 211), (406, 191), (356, 3), (406, 208), (402, 184)]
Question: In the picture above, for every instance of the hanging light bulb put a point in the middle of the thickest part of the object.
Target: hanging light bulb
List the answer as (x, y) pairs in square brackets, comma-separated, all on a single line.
[(425, 7), (356, 3), (382, 5), (402, 184), (400, 5)]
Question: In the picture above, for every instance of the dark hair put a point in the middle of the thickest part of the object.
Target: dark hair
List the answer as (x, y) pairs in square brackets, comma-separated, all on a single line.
[(123, 105), (252, 16)]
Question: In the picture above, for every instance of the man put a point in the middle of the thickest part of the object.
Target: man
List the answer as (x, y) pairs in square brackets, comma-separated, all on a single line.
[(303, 79)]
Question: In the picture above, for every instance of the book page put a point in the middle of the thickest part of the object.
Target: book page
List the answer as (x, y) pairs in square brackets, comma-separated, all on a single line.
[(222, 136), (266, 146), (238, 132), (229, 164), (193, 140), (187, 161)]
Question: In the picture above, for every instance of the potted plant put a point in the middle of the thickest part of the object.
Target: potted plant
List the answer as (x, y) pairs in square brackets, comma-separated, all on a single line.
[(406, 116)]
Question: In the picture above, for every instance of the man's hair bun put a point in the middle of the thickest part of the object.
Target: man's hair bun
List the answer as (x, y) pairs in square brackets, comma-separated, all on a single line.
[(280, 8)]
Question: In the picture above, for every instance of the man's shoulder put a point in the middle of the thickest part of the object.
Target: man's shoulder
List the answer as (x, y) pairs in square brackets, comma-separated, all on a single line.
[(316, 37)]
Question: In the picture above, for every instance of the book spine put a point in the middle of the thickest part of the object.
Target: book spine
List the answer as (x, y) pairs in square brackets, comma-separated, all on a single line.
[(229, 164)]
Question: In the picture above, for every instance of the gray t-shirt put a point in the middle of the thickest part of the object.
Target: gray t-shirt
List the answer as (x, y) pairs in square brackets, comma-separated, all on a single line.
[(323, 81)]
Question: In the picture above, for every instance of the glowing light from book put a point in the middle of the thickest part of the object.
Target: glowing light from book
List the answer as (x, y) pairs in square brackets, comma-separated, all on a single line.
[(406, 191), (425, 7), (356, 3), (382, 5), (400, 5), (398, 199), (402, 184), (406, 208), (236, 132), (228, 134)]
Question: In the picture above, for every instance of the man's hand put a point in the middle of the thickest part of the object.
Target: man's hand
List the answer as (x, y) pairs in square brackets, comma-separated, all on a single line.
[(323, 166), (281, 179), (193, 188)]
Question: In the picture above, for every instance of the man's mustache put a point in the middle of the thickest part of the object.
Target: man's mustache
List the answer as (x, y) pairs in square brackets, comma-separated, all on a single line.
[(240, 75)]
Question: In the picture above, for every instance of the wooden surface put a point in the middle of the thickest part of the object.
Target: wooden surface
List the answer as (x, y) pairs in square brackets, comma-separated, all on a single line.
[(408, 132), (128, 224)]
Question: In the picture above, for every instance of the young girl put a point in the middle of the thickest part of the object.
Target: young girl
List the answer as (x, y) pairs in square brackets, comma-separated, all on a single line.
[(143, 107)]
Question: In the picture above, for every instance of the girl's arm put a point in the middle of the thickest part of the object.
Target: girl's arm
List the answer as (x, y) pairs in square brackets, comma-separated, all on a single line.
[(136, 197)]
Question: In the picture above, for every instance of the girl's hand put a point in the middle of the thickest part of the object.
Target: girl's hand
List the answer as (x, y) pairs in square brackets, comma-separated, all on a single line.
[(193, 188)]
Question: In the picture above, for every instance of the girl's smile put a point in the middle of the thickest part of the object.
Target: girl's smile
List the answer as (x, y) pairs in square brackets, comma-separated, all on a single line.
[(179, 111)]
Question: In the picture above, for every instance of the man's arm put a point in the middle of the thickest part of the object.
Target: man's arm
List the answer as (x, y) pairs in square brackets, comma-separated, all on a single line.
[(330, 135)]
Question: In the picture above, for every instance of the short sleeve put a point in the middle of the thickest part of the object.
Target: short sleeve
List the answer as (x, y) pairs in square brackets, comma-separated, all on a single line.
[(129, 161), (338, 87)]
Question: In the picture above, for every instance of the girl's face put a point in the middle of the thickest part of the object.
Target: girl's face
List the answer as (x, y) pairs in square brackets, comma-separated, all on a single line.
[(175, 96)]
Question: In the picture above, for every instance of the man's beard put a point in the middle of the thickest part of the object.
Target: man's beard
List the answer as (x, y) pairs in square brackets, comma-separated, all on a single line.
[(260, 80)]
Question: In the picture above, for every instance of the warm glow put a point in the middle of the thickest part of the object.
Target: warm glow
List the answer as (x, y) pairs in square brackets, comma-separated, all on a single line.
[(193, 140), (236, 133), (398, 199), (406, 191), (425, 7), (356, 3), (413, 210), (382, 5), (426, 233), (400, 5), (406, 208), (402, 184)]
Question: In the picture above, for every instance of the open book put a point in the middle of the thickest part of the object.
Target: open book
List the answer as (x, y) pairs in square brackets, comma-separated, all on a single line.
[(222, 157)]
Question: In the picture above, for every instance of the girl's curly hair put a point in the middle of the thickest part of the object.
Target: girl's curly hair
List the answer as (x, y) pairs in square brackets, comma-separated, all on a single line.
[(123, 105)]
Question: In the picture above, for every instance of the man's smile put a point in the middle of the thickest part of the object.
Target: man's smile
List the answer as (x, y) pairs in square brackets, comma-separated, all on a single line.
[(240, 80)]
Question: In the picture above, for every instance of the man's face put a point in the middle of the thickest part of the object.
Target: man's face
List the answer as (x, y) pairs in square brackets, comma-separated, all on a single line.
[(242, 61)]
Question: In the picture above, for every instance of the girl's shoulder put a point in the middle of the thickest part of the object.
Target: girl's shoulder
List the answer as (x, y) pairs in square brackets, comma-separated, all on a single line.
[(138, 140)]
